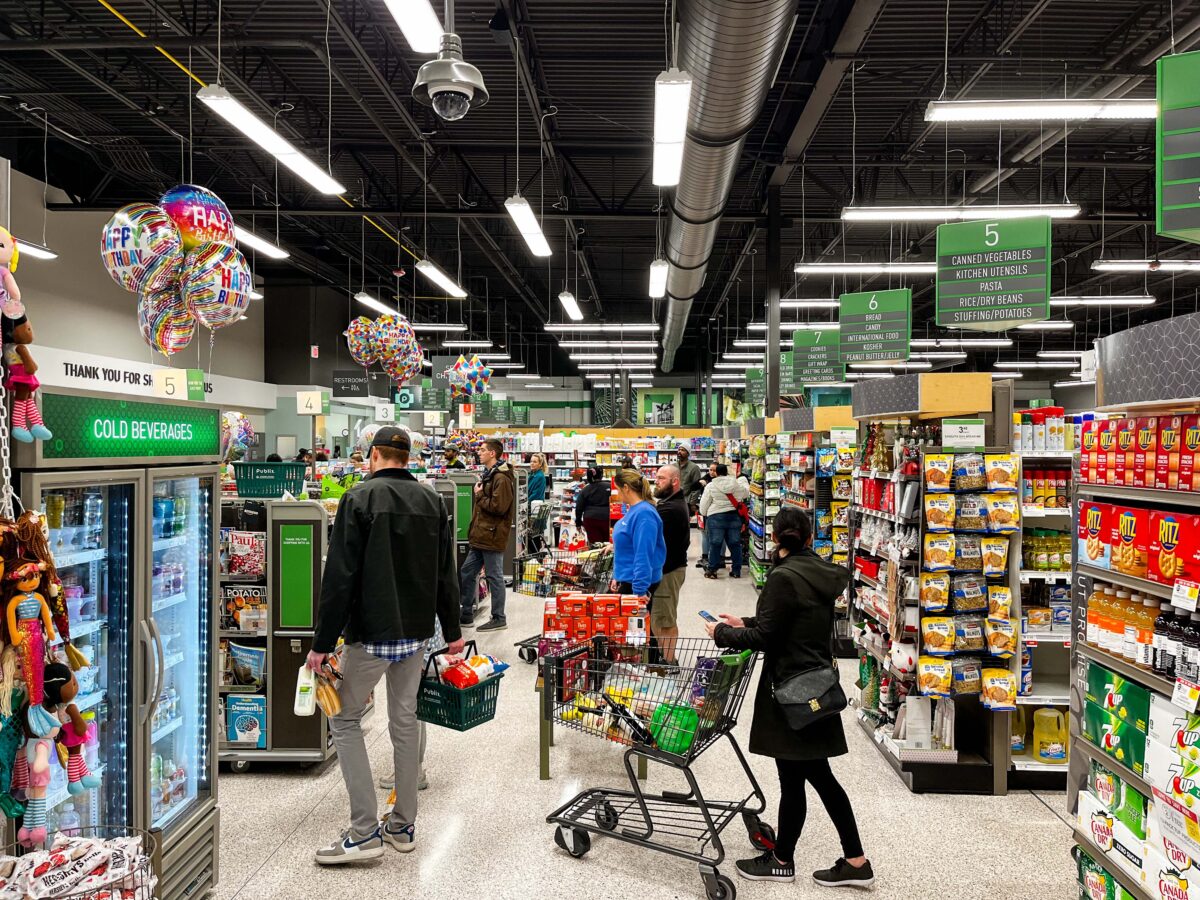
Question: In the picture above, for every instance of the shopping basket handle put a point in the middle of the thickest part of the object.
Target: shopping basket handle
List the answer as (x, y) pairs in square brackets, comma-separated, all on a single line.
[(469, 650)]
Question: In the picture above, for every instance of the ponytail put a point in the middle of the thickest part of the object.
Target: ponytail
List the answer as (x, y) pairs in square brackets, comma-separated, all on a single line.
[(633, 480)]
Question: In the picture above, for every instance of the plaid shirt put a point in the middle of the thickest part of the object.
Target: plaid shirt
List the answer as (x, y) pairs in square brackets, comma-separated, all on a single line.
[(394, 651)]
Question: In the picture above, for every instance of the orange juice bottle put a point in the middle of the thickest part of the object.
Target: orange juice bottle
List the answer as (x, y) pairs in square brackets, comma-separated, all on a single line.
[(1127, 632), (1094, 613), (1113, 625)]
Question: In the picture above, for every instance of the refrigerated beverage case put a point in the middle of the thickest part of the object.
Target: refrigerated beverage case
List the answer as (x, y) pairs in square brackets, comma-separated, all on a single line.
[(1162, 625), (93, 520), (1144, 647)]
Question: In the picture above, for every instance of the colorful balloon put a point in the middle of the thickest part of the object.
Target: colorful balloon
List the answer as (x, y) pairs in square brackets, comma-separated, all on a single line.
[(398, 347), (201, 216), (236, 435), (360, 340), (365, 435), (165, 323), (216, 284), (141, 248)]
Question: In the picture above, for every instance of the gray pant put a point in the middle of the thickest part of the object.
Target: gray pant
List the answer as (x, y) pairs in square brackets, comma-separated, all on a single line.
[(492, 563), (360, 675)]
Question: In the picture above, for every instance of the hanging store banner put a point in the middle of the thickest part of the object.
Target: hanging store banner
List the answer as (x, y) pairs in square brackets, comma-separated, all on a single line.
[(520, 414), (502, 412), (816, 357), (756, 387), (1177, 212), (88, 428), (876, 326), (993, 276), (787, 374), (350, 383)]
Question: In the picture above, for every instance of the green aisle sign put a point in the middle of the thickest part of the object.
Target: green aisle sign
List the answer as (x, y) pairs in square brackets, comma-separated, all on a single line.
[(876, 326), (994, 275), (756, 387), (502, 411), (520, 413), (787, 374), (816, 356), (1177, 208)]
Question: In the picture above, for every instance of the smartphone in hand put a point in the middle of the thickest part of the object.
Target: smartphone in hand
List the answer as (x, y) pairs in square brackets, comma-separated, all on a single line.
[(707, 616)]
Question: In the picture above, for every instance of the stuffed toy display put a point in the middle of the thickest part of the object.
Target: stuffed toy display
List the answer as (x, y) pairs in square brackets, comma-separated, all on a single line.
[(20, 379), (61, 688), (10, 294), (43, 728), (30, 628)]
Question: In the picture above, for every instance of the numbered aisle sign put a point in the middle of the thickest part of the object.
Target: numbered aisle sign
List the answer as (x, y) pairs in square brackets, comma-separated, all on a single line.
[(179, 384), (756, 387), (876, 326), (787, 374), (995, 275), (816, 356), (385, 412), (1178, 169), (312, 403)]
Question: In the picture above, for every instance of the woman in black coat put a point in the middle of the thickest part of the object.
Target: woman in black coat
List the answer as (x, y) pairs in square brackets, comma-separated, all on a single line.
[(794, 630)]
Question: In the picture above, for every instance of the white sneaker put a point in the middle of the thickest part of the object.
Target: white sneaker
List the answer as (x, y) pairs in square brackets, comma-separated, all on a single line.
[(403, 839), (346, 850)]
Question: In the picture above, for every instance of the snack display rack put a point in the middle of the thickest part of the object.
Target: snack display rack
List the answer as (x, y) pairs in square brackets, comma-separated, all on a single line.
[(1134, 730), (766, 492)]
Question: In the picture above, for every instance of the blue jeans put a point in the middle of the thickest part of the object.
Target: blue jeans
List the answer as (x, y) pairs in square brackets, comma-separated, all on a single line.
[(724, 529), (492, 563)]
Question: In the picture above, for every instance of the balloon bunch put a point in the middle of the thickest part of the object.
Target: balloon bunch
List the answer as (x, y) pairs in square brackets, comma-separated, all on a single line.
[(180, 258), (237, 434), (466, 438), (468, 379), (388, 340)]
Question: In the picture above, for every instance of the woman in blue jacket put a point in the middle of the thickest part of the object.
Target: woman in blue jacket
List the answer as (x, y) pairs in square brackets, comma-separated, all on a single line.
[(537, 477), (639, 550)]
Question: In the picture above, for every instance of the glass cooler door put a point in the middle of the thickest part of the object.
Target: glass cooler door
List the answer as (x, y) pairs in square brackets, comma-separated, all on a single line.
[(93, 537), (179, 758)]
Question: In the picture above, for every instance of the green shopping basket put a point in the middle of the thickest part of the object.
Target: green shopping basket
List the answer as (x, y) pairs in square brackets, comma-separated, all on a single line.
[(269, 479), (462, 709)]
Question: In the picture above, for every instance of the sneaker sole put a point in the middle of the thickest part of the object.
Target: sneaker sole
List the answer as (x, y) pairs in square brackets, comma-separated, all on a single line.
[(408, 847), (857, 883), (493, 628), (787, 879), (347, 858)]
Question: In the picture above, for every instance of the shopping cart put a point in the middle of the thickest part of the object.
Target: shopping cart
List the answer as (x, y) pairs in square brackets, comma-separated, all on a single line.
[(543, 574), (668, 714)]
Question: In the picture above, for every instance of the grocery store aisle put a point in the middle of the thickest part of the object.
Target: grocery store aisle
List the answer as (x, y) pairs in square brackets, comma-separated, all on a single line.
[(482, 830)]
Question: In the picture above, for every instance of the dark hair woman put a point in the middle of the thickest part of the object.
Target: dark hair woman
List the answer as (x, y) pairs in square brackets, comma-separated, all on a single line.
[(793, 627), (592, 506)]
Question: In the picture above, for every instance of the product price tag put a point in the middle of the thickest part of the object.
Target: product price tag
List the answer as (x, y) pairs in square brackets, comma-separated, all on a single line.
[(1178, 823), (963, 433), (1185, 595), (843, 436), (1186, 694)]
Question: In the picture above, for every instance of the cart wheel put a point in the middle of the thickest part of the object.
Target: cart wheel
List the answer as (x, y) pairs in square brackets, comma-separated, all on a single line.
[(722, 888), (762, 835), (606, 816), (239, 766), (528, 654), (575, 841)]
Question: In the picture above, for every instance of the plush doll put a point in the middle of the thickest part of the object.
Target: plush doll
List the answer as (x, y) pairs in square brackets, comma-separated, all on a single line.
[(10, 294), (20, 379), (43, 727), (29, 534), (61, 690), (29, 626)]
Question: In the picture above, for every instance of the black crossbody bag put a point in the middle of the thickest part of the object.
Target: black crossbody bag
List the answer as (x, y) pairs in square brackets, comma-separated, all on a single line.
[(813, 694)]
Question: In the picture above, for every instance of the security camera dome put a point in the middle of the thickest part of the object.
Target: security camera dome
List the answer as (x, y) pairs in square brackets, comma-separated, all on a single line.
[(449, 84)]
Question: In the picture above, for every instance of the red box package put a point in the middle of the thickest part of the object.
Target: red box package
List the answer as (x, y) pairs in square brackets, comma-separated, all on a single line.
[(606, 605), (617, 627), (1145, 452), (631, 606), (601, 625), (1087, 452), (1093, 545), (579, 628), (1126, 438), (1174, 546), (572, 605), (1189, 454), (1166, 462), (1105, 457), (1130, 540)]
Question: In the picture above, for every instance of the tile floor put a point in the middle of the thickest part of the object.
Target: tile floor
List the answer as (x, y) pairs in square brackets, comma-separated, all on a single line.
[(482, 829)]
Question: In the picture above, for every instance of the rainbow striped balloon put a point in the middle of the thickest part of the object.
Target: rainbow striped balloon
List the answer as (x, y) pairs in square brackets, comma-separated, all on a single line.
[(141, 248), (216, 284), (165, 323)]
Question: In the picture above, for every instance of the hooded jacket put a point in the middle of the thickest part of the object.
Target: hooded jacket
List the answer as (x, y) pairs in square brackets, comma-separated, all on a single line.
[(714, 502), (793, 627), (491, 519), (689, 481)]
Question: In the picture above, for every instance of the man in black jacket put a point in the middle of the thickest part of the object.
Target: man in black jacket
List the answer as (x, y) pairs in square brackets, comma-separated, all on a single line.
[(389, 571), (673, 509)]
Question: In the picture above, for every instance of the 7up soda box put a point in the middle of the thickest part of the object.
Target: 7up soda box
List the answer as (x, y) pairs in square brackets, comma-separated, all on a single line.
[(1120, 740), (1174, 728), (1115, 694)]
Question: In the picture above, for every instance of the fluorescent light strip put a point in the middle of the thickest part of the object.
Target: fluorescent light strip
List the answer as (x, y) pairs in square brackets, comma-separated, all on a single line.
[(748, 342), (522, 215), (591, 366), (856, 376), (810, 304), (958, 213), (1048, 325), (938, 354), (1038, 110), (506, 365), (733, 356), (886, 268), (1104, 300), (1060, 354), (737, 365), (418, 23), (539, 387), (1008, 375), (229, 108), (658, 279), (500, 357), (672, 102), (482, 344), (367, 300), (644, 327), (263, 246), (440, 278), (623, 345), (609, 357), (436, 326), (961, 342), (919, 364), (570, 306), (1146, 265), (35, 250), (795, 326), (1072, 383), (528, 376), (1035, 364)]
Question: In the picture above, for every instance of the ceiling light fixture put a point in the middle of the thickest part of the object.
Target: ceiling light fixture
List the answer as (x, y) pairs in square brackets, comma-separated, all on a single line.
[(367, 300), (1105, 300), (263, 246), (583, 367), (1060, 354), (958, 213), (757, 356), (506, 365), (746, 364), (1038, 110), (1008, 375), (961, 342), (1035, 364), (615, 357), (35, 250), (229, 108), (536, 386), (1048, 325), (570, 306), (481, 344), (617, 344), (795, 326), (918, 364), (938, 354), (418, 23), (1072, 383), (642, 327), (672, 101), (749, 342), (441, 279), (884, 268), (447, 327), (658, 279), (1146, 265), (857, 376), (522, 215), (528, 376), (810, 304), (499, 357)]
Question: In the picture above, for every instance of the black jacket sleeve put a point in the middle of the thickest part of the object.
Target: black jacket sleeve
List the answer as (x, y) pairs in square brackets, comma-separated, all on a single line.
[(765, 630), (448, 610), (343, 571)]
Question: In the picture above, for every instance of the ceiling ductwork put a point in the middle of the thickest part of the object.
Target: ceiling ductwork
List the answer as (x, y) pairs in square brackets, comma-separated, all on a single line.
[(731, 48)]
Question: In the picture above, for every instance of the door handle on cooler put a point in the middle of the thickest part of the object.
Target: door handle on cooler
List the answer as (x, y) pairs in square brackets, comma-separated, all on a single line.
[(161, 680), (151, 695)]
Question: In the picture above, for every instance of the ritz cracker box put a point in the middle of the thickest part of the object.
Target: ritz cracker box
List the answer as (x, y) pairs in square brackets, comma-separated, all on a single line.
[(1146, 453), (1130, 541), (1189, 454), (1094, 538), (1105, 456), (1087, 453), (1174, 546), (1166, 462), (1125, 441)]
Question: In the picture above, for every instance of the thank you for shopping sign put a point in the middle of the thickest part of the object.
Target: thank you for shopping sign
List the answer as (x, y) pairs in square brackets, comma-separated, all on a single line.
[(876, 326), (1178, 169), (993, 275)]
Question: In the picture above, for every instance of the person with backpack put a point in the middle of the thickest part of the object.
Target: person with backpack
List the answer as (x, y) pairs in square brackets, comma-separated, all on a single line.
[(723, 506)]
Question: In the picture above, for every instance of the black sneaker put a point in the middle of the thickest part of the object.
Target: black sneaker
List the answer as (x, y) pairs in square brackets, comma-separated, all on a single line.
[(766, 868), (845, 875), (493, 625), (466, 621), (710, 573)]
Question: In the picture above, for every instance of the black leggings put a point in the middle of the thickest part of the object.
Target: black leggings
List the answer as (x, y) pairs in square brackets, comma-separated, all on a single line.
[(793, 806)]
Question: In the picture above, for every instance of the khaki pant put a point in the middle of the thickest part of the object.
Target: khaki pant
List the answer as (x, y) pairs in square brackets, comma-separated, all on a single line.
[(664, 611)]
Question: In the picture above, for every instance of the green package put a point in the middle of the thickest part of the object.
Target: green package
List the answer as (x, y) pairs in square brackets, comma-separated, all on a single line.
[(1116, 694), (1126, 803), (1121, 740)]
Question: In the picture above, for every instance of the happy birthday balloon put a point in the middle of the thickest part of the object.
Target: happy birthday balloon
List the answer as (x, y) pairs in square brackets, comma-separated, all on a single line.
[(199, 214), (360, 340), (141, 248), (365, 435), (236, 435), (398, 347), (164, 321), (216, 284)]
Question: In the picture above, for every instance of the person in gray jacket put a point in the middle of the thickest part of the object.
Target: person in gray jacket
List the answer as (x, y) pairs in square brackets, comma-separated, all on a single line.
[(689, 479), (722, 521)]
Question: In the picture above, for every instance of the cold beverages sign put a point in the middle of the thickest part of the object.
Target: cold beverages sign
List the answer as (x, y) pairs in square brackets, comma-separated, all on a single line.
[(993, 275)]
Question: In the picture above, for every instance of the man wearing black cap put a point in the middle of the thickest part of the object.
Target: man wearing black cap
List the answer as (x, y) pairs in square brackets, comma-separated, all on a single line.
[(390, 571)]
